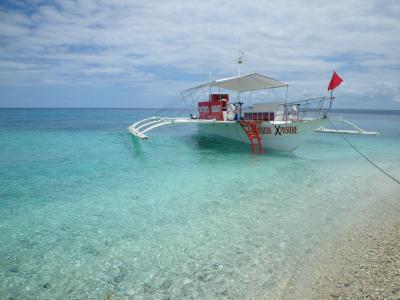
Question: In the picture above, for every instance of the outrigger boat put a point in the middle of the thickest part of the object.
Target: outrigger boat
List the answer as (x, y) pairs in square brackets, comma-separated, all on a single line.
[(275, 125), (278, 125)]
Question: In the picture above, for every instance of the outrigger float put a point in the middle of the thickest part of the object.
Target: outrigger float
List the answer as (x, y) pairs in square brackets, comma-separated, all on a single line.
[(358, 130), (280, 125)]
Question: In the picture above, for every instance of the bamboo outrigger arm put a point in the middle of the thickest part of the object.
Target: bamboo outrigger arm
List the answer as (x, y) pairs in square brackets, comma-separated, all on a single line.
[(139, 128)]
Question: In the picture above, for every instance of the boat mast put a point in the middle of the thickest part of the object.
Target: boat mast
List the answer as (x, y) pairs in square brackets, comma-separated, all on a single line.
[(239, 61)]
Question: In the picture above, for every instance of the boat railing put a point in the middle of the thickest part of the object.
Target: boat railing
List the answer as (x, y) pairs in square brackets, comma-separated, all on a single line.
[(310, 109)]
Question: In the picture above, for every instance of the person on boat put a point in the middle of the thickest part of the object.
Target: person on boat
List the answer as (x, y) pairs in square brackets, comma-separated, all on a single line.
[(231, 112), (224, 103), (294, 112)]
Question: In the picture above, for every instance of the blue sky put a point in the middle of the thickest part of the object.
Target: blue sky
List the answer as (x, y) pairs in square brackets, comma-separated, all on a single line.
[(142, 53)]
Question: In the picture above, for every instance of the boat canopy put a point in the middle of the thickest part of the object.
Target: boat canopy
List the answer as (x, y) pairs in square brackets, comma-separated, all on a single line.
[(243, 83)]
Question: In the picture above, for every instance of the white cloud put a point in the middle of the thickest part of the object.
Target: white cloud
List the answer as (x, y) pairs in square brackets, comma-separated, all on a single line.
[(122, 42)]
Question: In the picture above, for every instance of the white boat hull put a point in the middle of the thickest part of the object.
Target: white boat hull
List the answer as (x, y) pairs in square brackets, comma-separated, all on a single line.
[(277, 136)]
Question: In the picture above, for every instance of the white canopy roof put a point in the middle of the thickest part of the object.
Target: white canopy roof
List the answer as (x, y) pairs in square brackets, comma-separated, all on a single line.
[(244, 83)]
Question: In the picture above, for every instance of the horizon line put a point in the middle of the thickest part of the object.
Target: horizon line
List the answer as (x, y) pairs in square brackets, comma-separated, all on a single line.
[(182, 108)]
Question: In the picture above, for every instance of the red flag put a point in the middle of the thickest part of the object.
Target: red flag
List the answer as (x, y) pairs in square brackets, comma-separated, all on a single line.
[(335, 81)]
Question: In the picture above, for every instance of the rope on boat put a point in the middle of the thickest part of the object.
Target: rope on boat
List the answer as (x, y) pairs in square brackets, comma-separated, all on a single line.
[(365, 157), (169, 106)]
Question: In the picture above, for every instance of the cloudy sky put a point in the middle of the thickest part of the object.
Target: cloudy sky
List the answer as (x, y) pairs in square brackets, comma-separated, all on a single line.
[(108, 53)]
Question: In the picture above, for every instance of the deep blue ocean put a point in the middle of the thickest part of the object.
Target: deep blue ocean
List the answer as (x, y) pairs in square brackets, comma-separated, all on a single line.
[(87, 211)]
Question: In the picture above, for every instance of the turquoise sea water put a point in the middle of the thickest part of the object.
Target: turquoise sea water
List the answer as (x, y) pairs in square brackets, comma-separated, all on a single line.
[(89, 212)]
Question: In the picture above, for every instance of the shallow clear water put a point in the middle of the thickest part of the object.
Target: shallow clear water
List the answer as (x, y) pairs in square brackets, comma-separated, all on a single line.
[(87, 211)]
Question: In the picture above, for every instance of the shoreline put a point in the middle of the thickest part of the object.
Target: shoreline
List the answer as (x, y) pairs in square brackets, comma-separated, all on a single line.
[(361, 260), (366, 266)]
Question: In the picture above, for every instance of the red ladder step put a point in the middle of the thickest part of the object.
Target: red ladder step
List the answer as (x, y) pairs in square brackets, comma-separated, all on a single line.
[(251, 130)]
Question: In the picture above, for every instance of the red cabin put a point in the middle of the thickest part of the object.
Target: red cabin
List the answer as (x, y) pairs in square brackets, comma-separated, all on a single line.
[(213, 109)]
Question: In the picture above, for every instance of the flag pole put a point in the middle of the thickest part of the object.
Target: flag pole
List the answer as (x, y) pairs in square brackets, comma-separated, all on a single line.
[(335, 81), (331, 100)]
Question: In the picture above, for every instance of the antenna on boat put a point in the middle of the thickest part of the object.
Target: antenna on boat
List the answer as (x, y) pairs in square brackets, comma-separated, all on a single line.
[(239, 61), (240, 58)]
